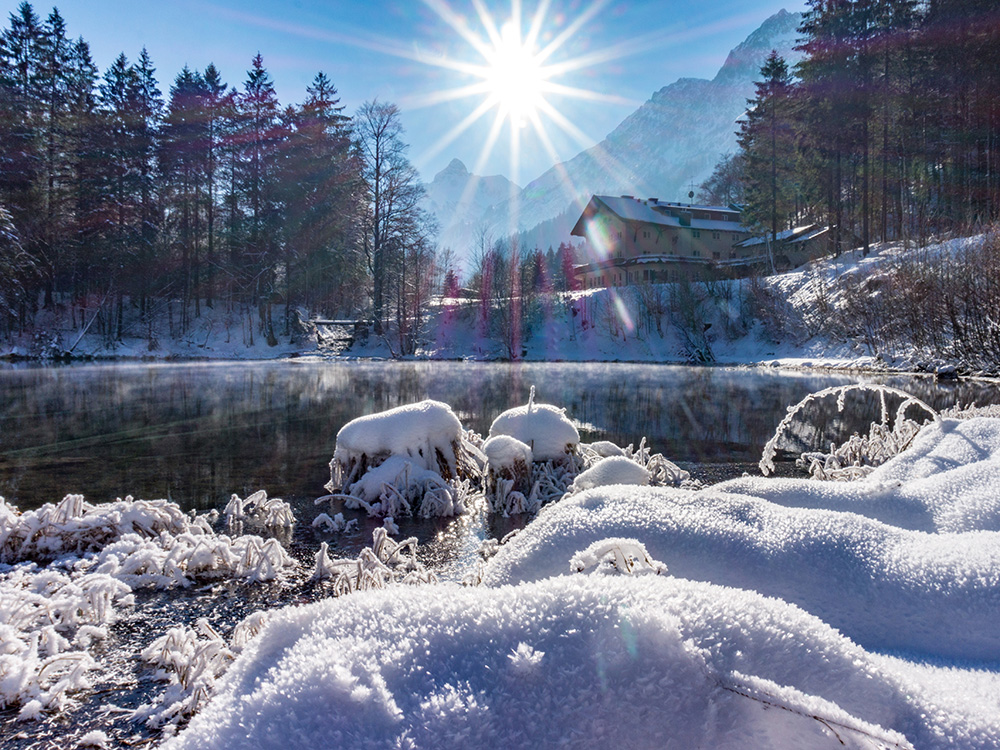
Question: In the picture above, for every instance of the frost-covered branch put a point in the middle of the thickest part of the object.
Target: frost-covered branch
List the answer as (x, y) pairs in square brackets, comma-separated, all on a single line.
[(882, 443)]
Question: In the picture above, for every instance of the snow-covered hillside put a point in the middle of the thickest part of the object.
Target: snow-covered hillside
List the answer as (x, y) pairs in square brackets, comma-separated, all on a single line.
[(847, 311)]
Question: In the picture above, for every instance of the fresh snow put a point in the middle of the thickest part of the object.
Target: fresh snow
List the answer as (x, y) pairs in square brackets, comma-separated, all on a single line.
[(418, 431), (608, 471), (755, 613), (544, 428)]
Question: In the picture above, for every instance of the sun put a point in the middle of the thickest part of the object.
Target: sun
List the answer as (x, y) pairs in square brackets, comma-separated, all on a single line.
[(514, 76)]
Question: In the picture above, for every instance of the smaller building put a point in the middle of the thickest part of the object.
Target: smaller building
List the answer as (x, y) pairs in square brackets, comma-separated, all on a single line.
[(790, 248), (636, 241)]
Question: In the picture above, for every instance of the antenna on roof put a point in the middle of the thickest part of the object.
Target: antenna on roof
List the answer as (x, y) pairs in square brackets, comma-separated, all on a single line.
[(691, 190)]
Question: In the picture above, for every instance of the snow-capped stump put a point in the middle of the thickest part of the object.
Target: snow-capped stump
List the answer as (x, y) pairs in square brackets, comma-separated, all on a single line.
[(427, 432), (608, 471), (411, 459), (545, 428), (508, 475)]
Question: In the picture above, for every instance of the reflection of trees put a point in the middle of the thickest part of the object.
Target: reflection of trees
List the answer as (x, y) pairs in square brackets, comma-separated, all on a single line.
[(196, 433)]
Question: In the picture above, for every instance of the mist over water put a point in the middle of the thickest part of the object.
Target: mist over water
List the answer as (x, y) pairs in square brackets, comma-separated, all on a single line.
[(195, 433)]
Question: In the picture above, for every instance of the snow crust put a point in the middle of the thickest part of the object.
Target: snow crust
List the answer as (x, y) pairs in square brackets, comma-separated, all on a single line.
[(589, 660)]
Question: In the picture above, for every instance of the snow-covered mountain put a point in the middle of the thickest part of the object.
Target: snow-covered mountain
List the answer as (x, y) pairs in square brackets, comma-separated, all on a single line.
[(670, 143), (459, 201)]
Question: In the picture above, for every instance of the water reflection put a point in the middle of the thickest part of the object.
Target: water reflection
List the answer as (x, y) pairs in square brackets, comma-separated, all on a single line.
[(195, 433)]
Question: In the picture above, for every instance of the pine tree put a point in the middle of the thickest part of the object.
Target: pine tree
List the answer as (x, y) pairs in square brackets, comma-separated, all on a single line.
[(260, 140), (321, 195), (767, 139)]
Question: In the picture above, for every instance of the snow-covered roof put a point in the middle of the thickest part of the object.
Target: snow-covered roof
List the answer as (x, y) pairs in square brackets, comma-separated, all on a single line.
[(652, 211), (798, 234)]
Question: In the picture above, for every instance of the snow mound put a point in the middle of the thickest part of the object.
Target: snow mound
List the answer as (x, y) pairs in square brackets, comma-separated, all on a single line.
[(411, 459), (884, 587), (945, 482), (506, 452), (543, 427), (609, 471), (587, 660)]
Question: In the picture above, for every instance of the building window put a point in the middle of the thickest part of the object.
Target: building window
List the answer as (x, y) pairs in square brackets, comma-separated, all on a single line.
[(696, 253), (716, 256), (696, 233), (645, 275), (715, 235)]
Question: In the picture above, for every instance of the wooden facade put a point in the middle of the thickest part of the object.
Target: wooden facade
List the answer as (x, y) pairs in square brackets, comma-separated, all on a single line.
[(637, 241)]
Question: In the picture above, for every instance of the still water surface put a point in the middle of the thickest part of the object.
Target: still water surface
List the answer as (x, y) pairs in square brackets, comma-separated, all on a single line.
[(195, 433)]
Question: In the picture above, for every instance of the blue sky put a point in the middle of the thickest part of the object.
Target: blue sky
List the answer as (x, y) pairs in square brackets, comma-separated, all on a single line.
[(406, 51)]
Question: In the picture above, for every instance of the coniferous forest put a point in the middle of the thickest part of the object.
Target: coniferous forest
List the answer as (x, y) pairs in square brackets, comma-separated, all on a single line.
[(887, 129), (114, 193)]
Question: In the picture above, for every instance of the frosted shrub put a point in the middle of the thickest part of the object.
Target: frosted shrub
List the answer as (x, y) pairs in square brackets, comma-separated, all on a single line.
[(626, 556), (258, 508), (386, 561), (48, 619), (323, 522), (191, 660), (413, 459), (859, 455), (183, 559), (74, 526)]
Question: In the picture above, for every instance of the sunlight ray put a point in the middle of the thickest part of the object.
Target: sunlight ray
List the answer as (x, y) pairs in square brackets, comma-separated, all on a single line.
[(536, 24), (567, 33), (458, 24), (588, 95), (491, 139), (419, 101), (486, 18), (448, 138)]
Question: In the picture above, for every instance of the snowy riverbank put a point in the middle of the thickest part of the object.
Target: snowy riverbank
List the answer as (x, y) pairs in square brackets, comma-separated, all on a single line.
[(776, 622), (840, 313)]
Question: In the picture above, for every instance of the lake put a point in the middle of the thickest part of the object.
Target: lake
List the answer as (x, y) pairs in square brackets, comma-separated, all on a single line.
[(197, 432)]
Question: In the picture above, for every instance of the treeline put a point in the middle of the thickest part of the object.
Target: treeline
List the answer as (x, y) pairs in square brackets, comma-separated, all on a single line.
[(888, 128), (116, 198)]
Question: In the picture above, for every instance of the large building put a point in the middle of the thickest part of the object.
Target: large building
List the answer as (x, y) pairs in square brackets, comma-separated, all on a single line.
[(635, 241)]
